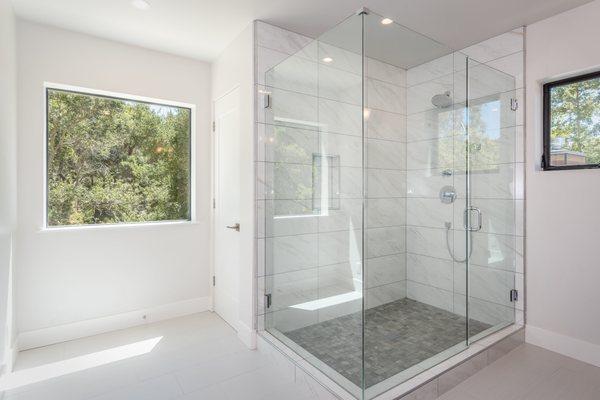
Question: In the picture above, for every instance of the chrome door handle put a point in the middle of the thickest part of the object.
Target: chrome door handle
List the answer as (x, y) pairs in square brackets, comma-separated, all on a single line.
[(236, 227), (466, 221)]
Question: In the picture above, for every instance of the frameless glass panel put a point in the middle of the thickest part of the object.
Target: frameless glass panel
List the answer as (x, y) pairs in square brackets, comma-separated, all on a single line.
[(314, 243), (490, 148), (413, 320)]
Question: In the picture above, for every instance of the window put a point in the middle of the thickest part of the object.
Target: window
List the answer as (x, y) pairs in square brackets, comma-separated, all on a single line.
[(572, 123), (113, 160)]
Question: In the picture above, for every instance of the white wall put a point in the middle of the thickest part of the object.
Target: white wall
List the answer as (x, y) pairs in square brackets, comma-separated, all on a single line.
[(8, 140), (71, 276), (563, 218), (235, 68)]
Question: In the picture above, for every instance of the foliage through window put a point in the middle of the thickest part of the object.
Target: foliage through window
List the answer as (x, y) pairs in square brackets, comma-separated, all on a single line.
[(115, 160), (572, 123)]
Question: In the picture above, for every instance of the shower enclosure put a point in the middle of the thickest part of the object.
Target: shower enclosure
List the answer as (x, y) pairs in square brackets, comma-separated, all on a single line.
[(386, 203)]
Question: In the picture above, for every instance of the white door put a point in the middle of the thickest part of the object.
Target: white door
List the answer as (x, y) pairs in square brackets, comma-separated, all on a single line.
[(227, 207)]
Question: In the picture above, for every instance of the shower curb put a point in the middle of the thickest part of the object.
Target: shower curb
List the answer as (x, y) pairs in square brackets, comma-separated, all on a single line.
[(428, 385)]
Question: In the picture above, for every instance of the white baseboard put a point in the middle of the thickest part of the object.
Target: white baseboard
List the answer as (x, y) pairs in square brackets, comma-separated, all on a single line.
[(77, 330), (247, 335), (565, 345)]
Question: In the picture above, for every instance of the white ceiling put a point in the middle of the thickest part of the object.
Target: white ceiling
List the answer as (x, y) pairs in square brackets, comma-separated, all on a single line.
[(202, 28)]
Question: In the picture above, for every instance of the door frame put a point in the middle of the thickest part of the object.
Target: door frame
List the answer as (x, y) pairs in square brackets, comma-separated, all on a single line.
[(213, 194)]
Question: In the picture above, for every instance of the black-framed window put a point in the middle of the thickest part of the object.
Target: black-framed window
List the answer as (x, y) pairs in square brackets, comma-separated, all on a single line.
[(116, 160), (572, 123)]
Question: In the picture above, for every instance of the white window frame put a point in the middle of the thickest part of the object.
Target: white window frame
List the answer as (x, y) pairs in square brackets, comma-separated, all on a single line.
[(123, 96)]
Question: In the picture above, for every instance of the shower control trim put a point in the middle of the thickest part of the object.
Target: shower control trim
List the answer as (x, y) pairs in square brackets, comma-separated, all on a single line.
[(447, 194)]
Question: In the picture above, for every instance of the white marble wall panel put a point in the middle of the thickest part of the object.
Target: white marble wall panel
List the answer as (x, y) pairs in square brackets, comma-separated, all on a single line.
[(292, 288), (336, 84), (496, 47), (385, 96), (282, 40), (492, 251), (430, 271), (288, 108), (347, 217), (339, 117), (296, 74), (379, 295), (430, 213), (495, 181), (431, 124), (385, 72), (349, 148), (339, 247), (385, 154), (385, 125), (419, 95), (340, 58), (285, 218), (382, 183), (512, 65), (430, 295), (351, 182), (265, 60), (384, 270), (431, 70), (428, 154), (338, 279), (385, 212), (428, 242), (427, 182), (291, 253), (385, 241)]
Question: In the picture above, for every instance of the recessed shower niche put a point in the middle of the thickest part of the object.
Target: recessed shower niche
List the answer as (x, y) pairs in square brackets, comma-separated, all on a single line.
[(389, 202)]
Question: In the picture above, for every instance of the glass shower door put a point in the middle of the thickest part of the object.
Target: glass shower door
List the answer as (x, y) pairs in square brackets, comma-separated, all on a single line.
[(492, 201)]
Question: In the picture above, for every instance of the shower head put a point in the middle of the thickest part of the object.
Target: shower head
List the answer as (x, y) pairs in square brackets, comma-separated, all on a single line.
[(443, 100)]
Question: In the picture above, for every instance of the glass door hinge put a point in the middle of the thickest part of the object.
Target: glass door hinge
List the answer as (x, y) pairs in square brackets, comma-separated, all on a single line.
[(214, 281), (514, 295), (266, 100), (214, 126), (514, 104), (268, 300)]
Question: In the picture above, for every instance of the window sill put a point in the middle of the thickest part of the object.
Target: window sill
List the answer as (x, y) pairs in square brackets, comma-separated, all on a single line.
[(110, 227)]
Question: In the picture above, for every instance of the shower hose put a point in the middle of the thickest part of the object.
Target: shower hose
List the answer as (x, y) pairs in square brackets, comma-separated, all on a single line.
[(448, 227)]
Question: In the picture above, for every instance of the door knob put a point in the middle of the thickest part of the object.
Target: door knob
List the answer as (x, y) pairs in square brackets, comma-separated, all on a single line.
[(236, 227)]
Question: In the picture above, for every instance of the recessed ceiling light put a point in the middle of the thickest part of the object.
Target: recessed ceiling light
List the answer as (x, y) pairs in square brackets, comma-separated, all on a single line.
[(386, 21), (327, 59), (140, 4)]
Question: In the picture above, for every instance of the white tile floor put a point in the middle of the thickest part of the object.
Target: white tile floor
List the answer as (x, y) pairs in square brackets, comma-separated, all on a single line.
[(197, 358), (200, 358), (531, 373)]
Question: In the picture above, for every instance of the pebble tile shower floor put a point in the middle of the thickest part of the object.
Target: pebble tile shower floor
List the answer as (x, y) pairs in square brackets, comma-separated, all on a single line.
[(398, 335)]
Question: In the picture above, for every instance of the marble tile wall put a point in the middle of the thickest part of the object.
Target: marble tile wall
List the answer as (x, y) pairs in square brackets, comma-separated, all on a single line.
[(303, 254), (436, 146)]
